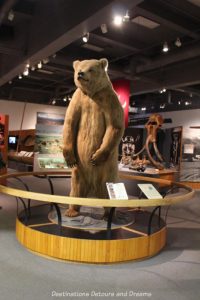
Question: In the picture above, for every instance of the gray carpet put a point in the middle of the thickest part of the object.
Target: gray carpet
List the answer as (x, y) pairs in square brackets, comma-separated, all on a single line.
[(172, 274)]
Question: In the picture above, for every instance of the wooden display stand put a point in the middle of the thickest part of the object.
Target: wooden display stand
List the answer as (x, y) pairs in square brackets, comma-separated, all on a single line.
[(142, 234), (124, 243)]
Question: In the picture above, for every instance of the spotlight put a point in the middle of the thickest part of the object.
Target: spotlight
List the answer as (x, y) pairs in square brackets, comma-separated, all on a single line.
[(188, 103), (165, 47), (45, 60), (143, 108), (179, 102), (118, 20), (39, 65), (69, 98), (33, 68), (104, 28), (86, 37), (11, 15), (26, 72), (20, 76), (65, 99), (163, 90), (178, 42), (54, 102), (162, 106), (126, 18), (10, 82)]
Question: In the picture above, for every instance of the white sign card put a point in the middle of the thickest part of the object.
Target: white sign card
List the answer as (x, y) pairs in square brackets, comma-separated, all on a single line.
[(150, 191), (116, 191), (188, 148)]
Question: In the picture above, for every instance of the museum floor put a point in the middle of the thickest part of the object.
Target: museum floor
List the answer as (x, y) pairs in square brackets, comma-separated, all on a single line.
[(172, 274)]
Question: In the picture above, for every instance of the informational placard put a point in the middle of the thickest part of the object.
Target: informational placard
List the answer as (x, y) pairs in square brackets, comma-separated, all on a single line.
[(149, 191), (117, 191)]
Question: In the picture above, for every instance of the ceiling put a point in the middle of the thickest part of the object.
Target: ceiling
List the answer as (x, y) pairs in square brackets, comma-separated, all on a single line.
[(51, 31)]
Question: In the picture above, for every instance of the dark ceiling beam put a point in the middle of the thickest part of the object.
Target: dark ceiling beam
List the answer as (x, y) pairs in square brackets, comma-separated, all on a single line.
[(181, 54), (164, 21), (10, 51), (41, 76), (59, 68), (31, 89), (184, 7), (42, 44), (5, 8), (188, 90), (113, 42), (178, 76)]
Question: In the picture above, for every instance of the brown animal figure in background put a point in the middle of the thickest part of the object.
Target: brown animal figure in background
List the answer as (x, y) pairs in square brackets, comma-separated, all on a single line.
[(93, 128), (154, 123)]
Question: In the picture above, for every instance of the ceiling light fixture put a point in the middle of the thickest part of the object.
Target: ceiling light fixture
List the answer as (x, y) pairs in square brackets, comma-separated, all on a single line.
[(39, 65), (188, 103), (178, 42), (165, 47), (162, 106), (11, 15), (104, 28), (86, 37), (163, 90), (45, 60), (126, 18), (118, 20), (26, 72)]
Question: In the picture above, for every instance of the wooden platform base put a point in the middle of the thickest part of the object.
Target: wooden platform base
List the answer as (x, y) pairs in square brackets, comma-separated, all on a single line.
[(124, 244)]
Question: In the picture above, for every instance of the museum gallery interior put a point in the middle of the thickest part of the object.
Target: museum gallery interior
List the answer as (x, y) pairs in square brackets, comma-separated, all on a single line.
[(100, 149)]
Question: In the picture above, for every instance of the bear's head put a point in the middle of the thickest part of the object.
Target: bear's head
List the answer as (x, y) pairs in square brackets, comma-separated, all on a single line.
[(90, 75)]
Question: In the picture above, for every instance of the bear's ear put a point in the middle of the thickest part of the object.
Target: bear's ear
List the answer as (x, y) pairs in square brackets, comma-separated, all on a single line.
[(75, 64), (104, 63)]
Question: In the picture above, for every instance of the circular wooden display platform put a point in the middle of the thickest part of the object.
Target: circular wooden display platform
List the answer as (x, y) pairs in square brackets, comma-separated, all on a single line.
[(125, 243), (140, 239)]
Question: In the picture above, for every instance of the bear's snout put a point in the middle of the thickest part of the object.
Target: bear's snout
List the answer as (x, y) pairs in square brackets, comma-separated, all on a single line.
[(80, 75)]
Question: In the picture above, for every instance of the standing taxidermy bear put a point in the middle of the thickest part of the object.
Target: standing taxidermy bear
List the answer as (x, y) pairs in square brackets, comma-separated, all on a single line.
[(93, 128)]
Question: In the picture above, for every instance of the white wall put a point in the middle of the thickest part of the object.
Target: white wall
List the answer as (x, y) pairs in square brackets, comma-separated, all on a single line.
[(15, 111)]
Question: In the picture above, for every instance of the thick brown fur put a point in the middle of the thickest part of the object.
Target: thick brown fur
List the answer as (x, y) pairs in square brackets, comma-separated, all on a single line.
[(93, 128)]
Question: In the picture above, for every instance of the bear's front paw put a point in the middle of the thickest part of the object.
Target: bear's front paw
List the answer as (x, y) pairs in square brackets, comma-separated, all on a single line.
[(99, 157), (70, 158)]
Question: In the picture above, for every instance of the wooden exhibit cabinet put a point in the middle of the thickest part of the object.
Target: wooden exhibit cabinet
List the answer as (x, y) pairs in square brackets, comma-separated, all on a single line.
[(3, 143)]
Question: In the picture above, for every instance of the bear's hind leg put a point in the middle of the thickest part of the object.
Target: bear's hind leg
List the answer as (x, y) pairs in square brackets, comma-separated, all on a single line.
[(78, 189)]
